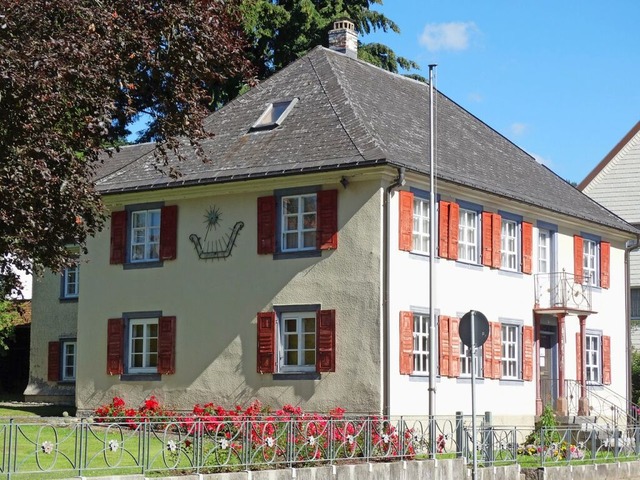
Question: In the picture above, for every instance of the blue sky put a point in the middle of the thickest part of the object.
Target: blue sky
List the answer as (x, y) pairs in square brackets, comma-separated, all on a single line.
[(559, 78)]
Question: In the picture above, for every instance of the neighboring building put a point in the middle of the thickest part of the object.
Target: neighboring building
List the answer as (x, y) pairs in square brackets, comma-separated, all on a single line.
[(614, 184), (293, 267)]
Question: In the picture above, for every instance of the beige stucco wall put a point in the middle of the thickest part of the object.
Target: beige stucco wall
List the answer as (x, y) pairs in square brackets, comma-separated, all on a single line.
[(216, 302), (52, 319)]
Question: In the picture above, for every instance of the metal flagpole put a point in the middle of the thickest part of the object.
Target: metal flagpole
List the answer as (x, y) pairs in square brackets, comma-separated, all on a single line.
[(432, 254)]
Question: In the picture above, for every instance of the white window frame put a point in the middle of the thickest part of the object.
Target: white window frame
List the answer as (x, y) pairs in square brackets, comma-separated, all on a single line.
[(590, 261), (147, 352), (465, 361), (593, 358), (635, 303), (300, 335), (420, 343), (149, 234), (71, 282), (300, 230), (69, 360), (274, 114), (510, 348), (468, 236), (544, 251), (509, 245), (420, 225)]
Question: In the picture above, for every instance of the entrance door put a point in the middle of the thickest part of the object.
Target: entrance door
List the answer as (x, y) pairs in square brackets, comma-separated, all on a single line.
[(548, 365)]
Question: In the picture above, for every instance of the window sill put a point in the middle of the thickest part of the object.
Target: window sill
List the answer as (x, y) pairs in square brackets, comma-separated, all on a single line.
[(66, 383), (470, 265), (467, 380), (297, 376), (139, 265), (68, 299), (510, 273), (511, 381), (140, 377), (298, 254)]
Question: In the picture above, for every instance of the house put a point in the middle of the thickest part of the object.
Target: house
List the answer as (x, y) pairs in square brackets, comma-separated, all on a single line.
[(293, 267), (612, 183)]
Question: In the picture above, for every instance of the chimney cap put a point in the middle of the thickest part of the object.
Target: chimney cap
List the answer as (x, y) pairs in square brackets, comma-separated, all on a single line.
[(344, 38)]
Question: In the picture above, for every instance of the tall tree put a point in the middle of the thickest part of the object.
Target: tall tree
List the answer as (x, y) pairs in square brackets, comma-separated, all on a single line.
[(73, 75), (280, 31)]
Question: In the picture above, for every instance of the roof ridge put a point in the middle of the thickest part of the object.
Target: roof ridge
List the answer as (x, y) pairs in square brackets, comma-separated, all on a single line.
[(348, 101)]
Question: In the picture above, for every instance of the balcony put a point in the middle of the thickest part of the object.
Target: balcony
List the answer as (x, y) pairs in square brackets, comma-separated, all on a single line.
[(562, 292)]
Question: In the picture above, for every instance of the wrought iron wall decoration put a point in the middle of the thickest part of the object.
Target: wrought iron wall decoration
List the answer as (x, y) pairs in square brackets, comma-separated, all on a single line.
[(221, 247)]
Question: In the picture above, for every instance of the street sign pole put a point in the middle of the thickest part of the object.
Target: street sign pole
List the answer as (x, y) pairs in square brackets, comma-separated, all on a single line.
[(474, 331), (474, 468)]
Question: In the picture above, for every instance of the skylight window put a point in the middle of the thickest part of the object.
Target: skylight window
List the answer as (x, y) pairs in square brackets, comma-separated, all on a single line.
[(274, 115)]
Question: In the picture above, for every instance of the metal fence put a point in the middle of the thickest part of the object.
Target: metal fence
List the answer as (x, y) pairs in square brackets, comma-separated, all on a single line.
[(58, 449)]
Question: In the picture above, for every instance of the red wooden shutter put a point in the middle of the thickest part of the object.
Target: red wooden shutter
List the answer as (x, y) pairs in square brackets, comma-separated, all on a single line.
[(443, 229), (53, 364), (266, 225), (115, 346), (487, 355), (454, 225), (326, 341), (118, 237), (169, 232), (167, 345), (527, 353), (606, 360), (578, 357), (527, 247), (445, 346), (496, 335), (405, 240), (327, 220), (487, 244), (605, 248), (406, 343), (454, 342), (496, 237), (578, 254), (266, 342)]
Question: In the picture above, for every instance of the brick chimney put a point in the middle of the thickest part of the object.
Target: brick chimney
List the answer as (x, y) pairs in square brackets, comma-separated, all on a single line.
[(343, 38)]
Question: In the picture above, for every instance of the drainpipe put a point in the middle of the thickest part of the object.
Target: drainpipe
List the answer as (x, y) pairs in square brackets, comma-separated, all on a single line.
[(627, 316), (386, 308)]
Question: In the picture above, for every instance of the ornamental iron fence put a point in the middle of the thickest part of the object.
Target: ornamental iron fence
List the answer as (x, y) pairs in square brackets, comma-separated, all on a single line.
[(60, 448)]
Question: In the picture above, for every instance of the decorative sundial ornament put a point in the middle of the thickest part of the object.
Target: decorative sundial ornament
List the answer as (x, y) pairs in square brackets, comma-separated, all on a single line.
[(221, 247)]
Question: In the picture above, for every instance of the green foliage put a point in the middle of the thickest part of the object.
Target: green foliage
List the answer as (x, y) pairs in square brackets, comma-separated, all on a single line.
[(73, 75), (9, 318), (284, 30), (548, 425), (635, 376)]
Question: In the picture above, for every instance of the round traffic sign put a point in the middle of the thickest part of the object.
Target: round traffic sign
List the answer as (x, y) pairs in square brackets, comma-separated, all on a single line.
[(480, 328)]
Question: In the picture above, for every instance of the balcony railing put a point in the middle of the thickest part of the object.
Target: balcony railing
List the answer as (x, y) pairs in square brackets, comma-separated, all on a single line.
[(562, 290)]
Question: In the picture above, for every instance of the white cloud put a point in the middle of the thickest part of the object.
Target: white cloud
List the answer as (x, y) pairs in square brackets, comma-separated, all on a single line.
[(476, 97), (447, 36), (518, 128)]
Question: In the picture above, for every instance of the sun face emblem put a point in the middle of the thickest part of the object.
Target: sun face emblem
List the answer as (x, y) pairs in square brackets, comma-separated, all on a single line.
[(212, 219)]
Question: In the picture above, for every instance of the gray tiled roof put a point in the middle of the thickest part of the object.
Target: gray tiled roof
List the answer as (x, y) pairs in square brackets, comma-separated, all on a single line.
[(350, 114)]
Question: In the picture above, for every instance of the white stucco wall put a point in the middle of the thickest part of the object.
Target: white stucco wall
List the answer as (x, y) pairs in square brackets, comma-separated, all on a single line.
[(501, 296), (216, 302)]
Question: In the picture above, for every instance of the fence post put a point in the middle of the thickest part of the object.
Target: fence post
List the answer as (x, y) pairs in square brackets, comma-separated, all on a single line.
[(9, 456), (487, 439), (459, 434), (79, 451)]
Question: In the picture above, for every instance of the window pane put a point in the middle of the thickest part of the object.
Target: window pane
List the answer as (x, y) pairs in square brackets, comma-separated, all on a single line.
[(310, 357), (309, 203)]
